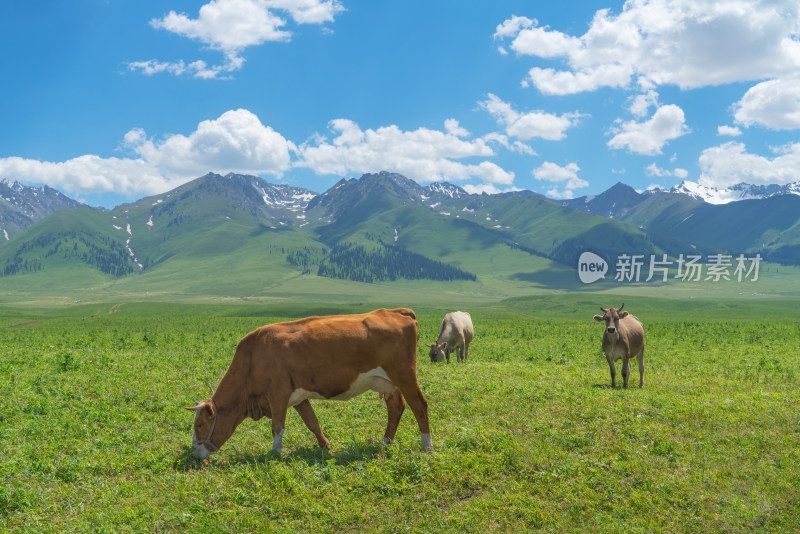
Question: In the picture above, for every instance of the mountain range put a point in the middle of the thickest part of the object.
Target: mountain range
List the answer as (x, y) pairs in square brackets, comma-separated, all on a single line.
[(740, 191), (21, 205), (239, 233)]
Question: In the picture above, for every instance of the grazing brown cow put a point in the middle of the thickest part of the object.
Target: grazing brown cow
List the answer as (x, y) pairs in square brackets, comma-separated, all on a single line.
[(335, 357), (623, 339)]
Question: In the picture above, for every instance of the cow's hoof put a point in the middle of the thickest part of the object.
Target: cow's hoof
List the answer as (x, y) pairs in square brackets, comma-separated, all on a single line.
[(427, 442), (386, 441)]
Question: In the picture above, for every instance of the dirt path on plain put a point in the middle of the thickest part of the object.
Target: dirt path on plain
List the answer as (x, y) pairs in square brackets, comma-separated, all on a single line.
[(113, 310), (21, 324)]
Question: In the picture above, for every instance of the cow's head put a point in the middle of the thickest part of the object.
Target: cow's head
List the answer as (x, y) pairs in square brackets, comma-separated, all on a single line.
[(438, 351), (611, 316), (205, 422)]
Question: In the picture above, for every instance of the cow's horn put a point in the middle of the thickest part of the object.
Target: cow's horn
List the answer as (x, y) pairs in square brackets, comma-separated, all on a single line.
[(198, 405), (620, 308)]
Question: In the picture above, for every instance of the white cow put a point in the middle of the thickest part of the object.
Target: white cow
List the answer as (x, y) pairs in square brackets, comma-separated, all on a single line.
[(455, 334)]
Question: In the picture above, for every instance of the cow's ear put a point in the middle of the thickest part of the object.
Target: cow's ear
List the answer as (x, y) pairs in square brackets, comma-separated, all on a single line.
[(444, 345), (623, 315), (598, 318)]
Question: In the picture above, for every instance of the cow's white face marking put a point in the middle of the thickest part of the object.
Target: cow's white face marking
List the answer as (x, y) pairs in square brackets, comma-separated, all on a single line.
[(200, 452)]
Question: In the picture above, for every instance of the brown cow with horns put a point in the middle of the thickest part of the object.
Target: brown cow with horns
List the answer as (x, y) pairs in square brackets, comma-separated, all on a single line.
[(336, 357), (623, 339)]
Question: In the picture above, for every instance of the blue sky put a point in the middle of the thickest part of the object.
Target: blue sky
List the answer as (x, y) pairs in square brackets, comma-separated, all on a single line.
[(110, 101)]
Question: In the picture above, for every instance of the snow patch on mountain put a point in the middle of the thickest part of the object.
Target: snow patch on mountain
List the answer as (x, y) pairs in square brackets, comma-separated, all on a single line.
[(130, 250), (734, 193), (443, 189), (305, 197), (286, 197)]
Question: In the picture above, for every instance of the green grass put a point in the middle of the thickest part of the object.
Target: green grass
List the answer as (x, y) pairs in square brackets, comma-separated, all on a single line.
[(264, 277), (527, 435)]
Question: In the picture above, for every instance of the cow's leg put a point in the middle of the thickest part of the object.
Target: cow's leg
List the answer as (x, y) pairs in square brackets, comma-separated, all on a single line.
[(447, 353), (461, 350), (466, 350), (278, 406), (409, 387), (395, 405), (310, 419), (626, 370), (613, 370), (640, 359)]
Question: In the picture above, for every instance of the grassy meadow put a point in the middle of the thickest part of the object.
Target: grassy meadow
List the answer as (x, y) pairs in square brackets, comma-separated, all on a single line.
[(528, 436)]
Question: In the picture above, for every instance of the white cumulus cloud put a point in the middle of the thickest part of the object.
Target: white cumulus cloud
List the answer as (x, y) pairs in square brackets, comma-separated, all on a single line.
[(650, 136), (235, 142), (227, 25), (641, 104), (512, 27), (655, 170), (730, 163), (197, 69), (231, 26), (88, 174), (452, 127), (422, 154), (730, 131), (533, 124), (774, 104), (514, 146), (568, 175), (688, 43)]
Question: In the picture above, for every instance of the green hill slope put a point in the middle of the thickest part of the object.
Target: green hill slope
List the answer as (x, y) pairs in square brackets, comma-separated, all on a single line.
[(68, 239), (240, 236), (768, 226), (541, 226)]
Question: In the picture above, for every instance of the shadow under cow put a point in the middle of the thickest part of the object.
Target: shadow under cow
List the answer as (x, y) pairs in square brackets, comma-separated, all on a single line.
[(311, 455)]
